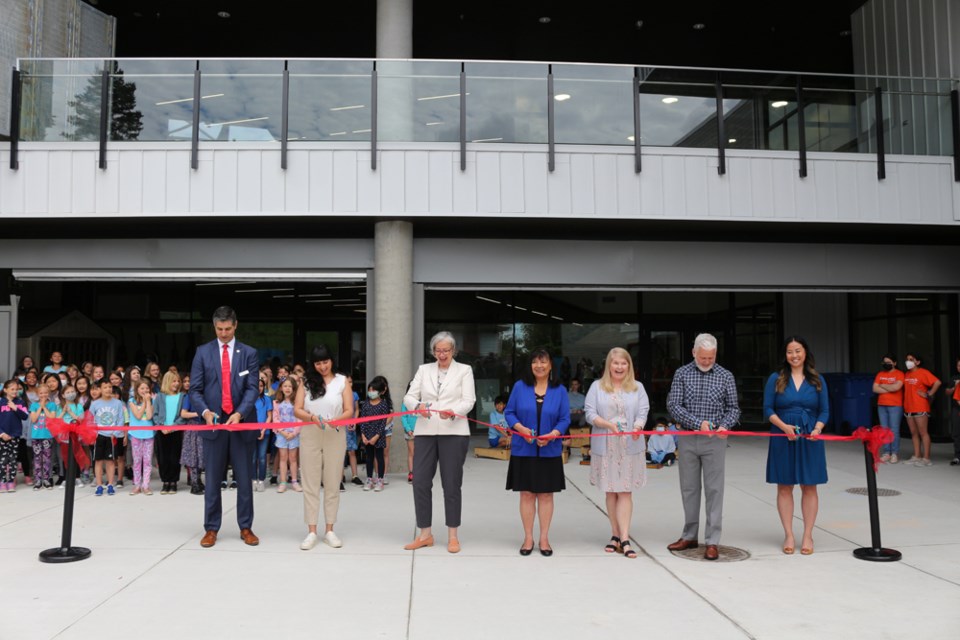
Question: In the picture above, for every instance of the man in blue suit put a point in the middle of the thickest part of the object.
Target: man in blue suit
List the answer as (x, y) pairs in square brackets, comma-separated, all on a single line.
[(223, 390)]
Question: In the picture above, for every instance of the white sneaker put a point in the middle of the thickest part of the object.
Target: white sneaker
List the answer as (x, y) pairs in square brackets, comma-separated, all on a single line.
[(331, 539), (261, 486), (924, 462), (894, 459), (309, 542), (385, 480), (378, 486), (368, 485)]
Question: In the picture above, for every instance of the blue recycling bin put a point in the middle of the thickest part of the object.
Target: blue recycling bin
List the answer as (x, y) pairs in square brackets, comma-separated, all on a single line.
[(851, 401)]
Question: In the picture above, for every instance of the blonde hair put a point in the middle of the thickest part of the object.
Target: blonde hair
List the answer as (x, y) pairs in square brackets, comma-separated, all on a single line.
[(629, 382), (167, 382)]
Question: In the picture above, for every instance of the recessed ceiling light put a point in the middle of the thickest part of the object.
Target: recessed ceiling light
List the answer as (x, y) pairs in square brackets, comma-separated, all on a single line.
[(731, 141), (223, 14), (845, 33), (779, 104), (670, 100), (699, 26), (631, 138), (638, 24), (560, 97), (544, 19)]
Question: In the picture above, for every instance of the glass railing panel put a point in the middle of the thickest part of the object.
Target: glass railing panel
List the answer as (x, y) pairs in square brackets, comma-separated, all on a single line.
[(330, 100), (678, 114), (593, 104), (152, 100), (418, 101), (60, 100), (507, 102), (250, 107)]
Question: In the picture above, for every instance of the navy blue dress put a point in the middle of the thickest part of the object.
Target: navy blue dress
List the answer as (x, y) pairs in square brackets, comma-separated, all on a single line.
[(801, 461)]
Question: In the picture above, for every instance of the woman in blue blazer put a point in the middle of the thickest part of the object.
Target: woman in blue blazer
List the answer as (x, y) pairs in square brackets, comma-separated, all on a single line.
[(538, 410)]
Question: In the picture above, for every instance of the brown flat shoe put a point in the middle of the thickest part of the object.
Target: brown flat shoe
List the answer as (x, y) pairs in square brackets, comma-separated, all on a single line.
[(683, 545), (453, 546), (419, 543), (249, 538), (712, 553), (209, 539)]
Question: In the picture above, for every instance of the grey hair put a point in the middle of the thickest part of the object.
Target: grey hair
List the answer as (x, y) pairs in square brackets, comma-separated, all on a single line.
[(225, 314), (443, 336), (705, 341)]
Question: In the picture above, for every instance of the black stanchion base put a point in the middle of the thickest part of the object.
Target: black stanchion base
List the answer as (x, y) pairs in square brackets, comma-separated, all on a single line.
[(65, 554), (877, 555)]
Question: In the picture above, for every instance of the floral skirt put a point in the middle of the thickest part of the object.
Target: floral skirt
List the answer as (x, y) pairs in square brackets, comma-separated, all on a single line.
[(618, 471)]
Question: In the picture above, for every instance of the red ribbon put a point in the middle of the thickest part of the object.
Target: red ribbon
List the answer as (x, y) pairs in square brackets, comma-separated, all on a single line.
[(873, 438)]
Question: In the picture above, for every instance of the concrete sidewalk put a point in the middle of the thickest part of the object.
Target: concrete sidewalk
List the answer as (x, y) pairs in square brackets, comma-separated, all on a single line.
[(149, 578)]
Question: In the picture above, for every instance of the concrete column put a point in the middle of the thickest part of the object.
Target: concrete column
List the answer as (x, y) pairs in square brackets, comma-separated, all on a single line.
[(393, 319), (394, 28)]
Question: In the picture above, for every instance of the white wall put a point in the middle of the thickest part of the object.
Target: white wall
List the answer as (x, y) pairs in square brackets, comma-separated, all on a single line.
[(424, 180)]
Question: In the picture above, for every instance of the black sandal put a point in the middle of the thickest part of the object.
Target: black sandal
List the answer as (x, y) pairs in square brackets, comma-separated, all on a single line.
[(627, 553), (614, 546)]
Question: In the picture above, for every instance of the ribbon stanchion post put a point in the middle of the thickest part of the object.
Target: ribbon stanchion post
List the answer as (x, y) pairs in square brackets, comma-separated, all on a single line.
[(66, 552), (876, 551)]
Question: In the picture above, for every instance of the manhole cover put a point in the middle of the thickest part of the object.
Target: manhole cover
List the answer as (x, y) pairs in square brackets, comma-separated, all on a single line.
[(727, 554), (862, 491)]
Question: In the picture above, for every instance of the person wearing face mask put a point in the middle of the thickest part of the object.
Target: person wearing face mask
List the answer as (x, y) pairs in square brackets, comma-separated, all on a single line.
[(374, 432), (703, 397), (888, 385), (919, 385), (661, 448)]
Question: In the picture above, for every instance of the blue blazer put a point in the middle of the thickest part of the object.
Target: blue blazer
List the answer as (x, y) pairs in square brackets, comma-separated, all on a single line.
[(206, 387), (522, 408)]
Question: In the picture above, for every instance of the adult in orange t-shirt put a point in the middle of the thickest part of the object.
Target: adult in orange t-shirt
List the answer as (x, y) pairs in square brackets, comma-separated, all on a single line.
[(955, 415), (919, 385), (888, 385)]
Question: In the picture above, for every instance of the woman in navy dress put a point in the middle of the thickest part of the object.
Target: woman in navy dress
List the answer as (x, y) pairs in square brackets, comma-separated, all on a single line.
[(795, 402)]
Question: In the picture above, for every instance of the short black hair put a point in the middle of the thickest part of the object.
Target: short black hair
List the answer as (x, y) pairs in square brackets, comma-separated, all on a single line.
[(499, 400), (540, 353)]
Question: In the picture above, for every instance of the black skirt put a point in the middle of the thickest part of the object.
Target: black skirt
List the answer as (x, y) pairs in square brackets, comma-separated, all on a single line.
[(538, 475)]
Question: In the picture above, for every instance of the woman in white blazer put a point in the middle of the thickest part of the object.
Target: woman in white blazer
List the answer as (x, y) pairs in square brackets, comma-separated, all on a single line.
[(441, 391)]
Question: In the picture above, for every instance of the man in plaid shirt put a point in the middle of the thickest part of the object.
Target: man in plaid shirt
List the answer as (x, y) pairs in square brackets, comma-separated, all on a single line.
[(703, 397)]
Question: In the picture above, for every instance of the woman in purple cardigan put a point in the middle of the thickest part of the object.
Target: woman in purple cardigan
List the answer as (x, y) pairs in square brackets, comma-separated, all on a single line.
[(539, 410)]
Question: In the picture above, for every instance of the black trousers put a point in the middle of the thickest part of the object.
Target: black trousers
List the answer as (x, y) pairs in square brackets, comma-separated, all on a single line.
[(449, 452), (168, 448), (374, 452)]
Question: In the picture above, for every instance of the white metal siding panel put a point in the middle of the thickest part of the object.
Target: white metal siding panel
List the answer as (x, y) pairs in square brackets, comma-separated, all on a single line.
[(582, 185), (321, 181), (273, 197), (416, 185), (535, 190), (440, 181), (154, 182), (511, 183), (488, 182), (345, 181), (248, 181), (296, 182), (392, 184)]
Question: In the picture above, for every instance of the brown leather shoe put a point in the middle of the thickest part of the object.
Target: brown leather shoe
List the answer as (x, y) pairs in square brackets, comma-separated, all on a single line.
[(209, 539), (248, 538), (683, 545), (712, 553), (419, 543)]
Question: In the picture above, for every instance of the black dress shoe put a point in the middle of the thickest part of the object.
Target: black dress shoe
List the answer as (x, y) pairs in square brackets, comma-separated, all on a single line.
[(546, 553), (526, 552)]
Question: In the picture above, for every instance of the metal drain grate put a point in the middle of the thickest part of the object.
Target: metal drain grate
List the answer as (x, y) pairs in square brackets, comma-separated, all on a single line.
[(727, 554), (862, 491)]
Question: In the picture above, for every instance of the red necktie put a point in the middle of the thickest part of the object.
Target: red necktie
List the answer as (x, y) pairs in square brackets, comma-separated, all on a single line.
[(225, 377)]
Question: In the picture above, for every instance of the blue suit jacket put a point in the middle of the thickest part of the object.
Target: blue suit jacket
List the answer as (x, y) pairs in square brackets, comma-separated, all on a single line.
[(206, 386), (522, 408)]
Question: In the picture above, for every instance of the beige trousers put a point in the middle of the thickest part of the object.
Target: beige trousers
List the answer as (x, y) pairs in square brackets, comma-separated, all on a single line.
[(321, 458)]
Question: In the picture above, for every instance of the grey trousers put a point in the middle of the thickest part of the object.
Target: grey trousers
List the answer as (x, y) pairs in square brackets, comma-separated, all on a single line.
[(450, 452), (701, 456)]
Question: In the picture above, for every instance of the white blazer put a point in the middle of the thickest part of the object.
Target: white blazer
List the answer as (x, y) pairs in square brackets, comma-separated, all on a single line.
[(457, 394)]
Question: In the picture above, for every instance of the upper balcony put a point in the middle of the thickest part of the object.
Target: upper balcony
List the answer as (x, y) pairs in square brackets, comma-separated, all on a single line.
[(428, 137)]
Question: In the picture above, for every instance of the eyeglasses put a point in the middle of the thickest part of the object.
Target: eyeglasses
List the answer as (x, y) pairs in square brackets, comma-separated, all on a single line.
[(442, 352)]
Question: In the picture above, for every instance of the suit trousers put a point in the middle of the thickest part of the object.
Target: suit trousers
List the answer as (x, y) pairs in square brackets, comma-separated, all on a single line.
[(321, 459), (702, 457), (450, 452), (238, 448)]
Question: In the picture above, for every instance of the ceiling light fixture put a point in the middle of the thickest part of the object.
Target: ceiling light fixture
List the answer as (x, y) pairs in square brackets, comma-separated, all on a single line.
[(779, 104), (560, 97), (223, 124), (699, 26), (446, 95), (670, 100), (260, 290), (352, 106), (731, 141), (487, 299), (487, 140), (223, 14), (432, 124), (544, 19)]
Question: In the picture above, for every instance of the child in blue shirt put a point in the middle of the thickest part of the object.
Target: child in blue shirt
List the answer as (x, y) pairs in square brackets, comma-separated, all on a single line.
[(496, 437), (661, 448), (40, 412), (12, 415), (108, 415)]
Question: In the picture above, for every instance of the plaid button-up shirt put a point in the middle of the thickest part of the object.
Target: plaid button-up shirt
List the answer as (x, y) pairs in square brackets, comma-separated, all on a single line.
[(696, 396)]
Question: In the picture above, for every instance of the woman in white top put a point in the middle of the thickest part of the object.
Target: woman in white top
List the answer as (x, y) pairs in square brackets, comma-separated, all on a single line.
[(441, 391), (618, 403), (324, 397)]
